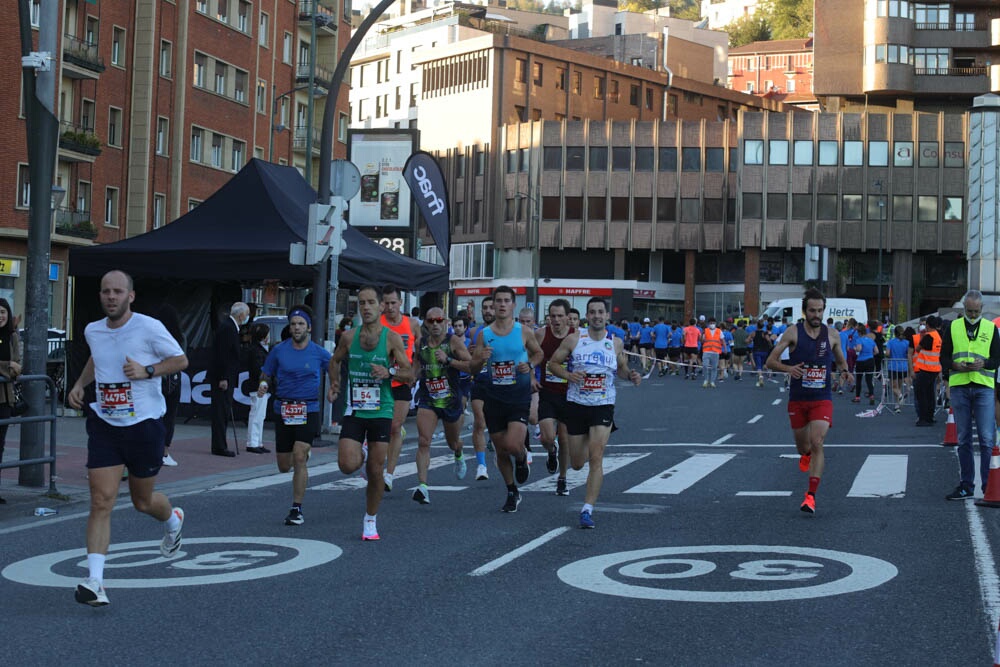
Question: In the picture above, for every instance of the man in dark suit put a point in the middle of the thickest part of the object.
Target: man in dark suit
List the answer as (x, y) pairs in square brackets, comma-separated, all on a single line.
[(224, 373)]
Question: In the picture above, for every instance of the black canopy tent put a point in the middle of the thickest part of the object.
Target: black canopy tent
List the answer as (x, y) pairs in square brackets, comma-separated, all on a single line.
[(242, 233)]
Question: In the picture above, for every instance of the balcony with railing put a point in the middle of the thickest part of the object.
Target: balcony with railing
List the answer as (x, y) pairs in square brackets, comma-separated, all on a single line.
[(69, 222), (322, 76), (957, 36), (301, 140), (78, 143), (83, 58), (324, 16), (951, 80)]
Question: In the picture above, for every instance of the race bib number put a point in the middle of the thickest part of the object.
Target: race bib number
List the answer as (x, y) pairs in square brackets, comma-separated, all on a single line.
[(593, 383), (115, 399), (503, 372), (365, 396), (438, 388), (555, 379), (815, 377), (293, 413)]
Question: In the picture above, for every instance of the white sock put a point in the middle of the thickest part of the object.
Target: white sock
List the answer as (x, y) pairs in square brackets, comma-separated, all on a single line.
[(95, 563), (587, 507), (369, 517), (174, 522)]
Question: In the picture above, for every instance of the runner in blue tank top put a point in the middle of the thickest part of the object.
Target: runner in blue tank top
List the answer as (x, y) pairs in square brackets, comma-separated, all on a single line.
[(813, 349), (509, 352)]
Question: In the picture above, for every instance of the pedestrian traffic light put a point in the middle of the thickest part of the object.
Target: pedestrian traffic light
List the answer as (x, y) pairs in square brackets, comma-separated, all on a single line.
[(325, 230)]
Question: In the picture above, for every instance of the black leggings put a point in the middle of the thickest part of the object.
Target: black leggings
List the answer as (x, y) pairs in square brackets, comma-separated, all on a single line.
[(864, 369)]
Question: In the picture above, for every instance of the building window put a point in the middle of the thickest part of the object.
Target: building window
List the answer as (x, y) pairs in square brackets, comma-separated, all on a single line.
[(598, 158), (878, 153), (753, 151), (196, 144), (927, 208), (597, 208), (577, 83), (261, 96), (216, 155), (111, 207), (854, 153), (953, 209), (649, 99), (202, 6), (23, 186), (520, 70), (633, 94), (826, 207), (243, 16), (667, 159), (35, 11), (237, 153), (715, 160), (802, 153), (264, 29), (87, 112), (343, 122), (166, 58), (536, 73), (829, 154), (561, 78), (91, 29), (114, 127), (928, 154), (851, 209), (671, 104), (777, 152), (790, 85), (222, 10), (691, 159), (954, 154), (753, 205), (159, 206), (621, 158), (200, 64), (777, 206), (162, 135), (903, 154), (286, 50), (599, 87), (524, 159), (221, 74), (666, 209), (118, 47), (613, 95), (644, 158), (240, 86), (902, 208), (575, 158), (801, 207)]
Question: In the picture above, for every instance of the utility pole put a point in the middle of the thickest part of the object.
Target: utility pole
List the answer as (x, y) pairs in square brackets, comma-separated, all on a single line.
[(39, 79)]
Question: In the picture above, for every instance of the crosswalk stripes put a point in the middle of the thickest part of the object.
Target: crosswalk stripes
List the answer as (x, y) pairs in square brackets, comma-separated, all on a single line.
[(683, 475), (879, 476), (575, 478)]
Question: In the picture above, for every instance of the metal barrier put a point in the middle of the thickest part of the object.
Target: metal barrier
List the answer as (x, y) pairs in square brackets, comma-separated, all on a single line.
[(53, 401)]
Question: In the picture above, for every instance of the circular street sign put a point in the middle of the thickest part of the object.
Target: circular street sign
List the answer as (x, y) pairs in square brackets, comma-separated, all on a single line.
[(204, 560), (728, 573), (345, 179)]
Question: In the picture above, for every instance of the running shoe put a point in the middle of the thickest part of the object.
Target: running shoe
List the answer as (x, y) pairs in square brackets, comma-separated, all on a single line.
[(808, 504), (481, 473), (537, 432), (460, 467), (586, 521), (856, 399), (522, 470), (387, 480), (422, 495), (961, 492), (552, 462), (168, 460), (712, 385), (91, 592), (561, 489), (294, 517), (513, 500), (704, 385), (370, 532), (804, 462), (489, 445), (172, 540)]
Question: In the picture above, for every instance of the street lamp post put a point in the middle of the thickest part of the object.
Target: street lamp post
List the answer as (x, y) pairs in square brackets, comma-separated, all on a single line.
[(535, 250), (878, 274), (274, 111)]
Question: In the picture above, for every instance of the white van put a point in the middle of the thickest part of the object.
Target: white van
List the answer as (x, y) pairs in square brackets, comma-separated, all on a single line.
[(839, 309)]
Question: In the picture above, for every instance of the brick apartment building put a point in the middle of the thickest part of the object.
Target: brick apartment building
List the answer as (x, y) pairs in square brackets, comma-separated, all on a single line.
[(779, 69), (159, 104), (902, 55)]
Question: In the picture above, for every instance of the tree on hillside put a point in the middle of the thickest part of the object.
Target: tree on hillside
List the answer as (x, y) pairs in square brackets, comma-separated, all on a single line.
[(789, 19), (684, 9), (748, 29)]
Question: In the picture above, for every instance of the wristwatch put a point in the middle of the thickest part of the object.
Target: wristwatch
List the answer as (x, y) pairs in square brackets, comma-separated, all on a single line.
[(392, 371), (150, 371)]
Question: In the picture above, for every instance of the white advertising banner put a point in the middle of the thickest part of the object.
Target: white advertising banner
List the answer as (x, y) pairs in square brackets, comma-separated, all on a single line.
[(384, 198)]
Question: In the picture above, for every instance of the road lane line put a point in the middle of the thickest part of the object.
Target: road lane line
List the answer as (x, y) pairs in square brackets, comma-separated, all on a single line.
[(755, 419), (402, 470), (989, 582), (880, 476), (723, 438), (273, 480), (826, 445), (683, 475), (518, 552), (764, 493), (575, 478), (777, 401)]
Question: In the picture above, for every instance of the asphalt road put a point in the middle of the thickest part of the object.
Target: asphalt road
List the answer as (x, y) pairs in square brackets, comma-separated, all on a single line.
[(700, 557)]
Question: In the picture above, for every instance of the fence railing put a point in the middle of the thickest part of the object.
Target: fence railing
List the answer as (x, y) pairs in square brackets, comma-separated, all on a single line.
[(49, 415)]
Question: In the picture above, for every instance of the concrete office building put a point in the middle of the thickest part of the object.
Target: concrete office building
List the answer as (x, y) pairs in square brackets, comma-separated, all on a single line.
[(159, 104)]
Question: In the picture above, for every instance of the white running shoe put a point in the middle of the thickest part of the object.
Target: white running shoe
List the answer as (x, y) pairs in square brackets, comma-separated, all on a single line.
[(481, 473), (370, 531), (529, 457), (171, 543), (168, 460), (387, 479), (91, 592), (460, 467)]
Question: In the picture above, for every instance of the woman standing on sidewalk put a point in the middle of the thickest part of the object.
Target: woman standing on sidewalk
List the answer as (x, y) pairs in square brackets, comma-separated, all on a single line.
[(10, 368), (256, 355)]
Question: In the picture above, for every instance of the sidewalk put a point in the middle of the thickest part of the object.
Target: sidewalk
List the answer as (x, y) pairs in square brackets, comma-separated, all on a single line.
[(197, 467)]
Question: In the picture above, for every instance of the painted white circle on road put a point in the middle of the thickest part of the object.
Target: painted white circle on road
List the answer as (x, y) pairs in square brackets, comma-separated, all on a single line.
[(740, 563), (222, 560)]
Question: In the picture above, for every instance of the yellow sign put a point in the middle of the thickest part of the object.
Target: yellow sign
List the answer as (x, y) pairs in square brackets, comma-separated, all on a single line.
[(10, 267)]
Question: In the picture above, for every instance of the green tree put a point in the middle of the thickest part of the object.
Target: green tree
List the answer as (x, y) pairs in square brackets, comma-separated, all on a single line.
[(685, 9), (789, 19), (748, 29)]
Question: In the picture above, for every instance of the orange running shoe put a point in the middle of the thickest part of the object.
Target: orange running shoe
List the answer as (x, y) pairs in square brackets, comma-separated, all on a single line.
[(804, 461), (809, 504)]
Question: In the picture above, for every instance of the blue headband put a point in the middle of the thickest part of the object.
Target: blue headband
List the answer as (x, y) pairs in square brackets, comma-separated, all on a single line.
[(300, 313)]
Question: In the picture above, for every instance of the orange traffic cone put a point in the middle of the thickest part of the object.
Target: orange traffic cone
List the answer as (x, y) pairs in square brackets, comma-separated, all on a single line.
[(992, 496), (950, 431)]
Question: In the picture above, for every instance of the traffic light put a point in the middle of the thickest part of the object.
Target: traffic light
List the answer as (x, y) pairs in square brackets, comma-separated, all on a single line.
[(325, 230)]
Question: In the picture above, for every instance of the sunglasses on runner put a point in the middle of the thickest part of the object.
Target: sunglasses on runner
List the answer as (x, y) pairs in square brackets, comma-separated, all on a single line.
[(435, 320)]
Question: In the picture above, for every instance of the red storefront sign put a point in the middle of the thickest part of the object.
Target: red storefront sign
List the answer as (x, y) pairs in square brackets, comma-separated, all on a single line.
[(575, 291), (644, 294), (485, 291)]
